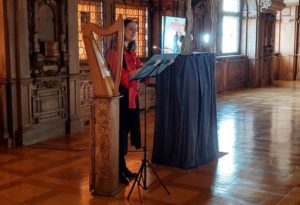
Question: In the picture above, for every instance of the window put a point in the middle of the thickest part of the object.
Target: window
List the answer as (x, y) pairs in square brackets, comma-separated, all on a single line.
[(230, 27), (140, 14), (88, 11)]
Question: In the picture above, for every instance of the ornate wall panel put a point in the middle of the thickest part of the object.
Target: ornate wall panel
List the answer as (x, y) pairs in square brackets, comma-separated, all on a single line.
[(237, 74), (231, 73), (49, 100), (48, 43), (44, 106)]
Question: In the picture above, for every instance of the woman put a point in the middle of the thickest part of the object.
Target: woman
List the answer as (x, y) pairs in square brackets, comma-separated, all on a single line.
[(129, 104)]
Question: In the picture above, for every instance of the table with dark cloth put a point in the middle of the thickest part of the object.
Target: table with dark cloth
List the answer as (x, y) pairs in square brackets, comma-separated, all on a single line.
[(185, 119)]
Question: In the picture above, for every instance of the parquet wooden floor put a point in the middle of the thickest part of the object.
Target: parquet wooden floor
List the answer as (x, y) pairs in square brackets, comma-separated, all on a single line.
[(259, 137)]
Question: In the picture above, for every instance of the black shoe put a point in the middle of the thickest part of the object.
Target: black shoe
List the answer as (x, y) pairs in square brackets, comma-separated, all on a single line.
[(123, 179), (129, 174)]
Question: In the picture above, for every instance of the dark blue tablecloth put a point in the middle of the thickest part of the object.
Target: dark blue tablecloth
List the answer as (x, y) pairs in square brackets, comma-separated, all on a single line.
[(185, 119)]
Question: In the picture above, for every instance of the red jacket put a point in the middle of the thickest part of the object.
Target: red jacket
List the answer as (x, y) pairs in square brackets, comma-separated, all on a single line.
[(132, 63)]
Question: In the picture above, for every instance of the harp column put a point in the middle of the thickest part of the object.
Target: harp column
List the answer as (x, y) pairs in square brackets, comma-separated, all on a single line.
[(104, 172)]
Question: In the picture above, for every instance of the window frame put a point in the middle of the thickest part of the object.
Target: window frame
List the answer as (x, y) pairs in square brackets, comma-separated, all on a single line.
[(221, 15), (91, 9), (146, 35)]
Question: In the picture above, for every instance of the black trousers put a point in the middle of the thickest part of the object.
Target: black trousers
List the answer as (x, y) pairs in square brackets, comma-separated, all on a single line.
[(129, 123)]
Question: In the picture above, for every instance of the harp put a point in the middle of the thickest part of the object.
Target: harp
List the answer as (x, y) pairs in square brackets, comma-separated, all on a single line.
[(105, 83), (104, 144)]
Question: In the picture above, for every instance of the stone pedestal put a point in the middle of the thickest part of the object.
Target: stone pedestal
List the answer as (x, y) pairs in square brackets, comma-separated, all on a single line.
[(104, 170)]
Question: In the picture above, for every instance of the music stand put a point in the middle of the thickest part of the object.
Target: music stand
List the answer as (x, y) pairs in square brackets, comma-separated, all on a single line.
[(154, 66)]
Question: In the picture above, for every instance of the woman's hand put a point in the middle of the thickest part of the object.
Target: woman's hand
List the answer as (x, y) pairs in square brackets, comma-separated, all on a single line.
[(134, 72)]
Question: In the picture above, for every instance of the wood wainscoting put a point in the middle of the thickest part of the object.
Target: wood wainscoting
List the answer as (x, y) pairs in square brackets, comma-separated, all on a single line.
[(231, 72)]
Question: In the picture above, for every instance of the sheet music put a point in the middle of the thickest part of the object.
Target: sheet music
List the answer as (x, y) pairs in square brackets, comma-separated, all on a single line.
[(154, 66)]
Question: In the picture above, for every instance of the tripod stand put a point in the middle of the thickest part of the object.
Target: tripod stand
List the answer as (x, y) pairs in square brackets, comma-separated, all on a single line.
[(141, 178)]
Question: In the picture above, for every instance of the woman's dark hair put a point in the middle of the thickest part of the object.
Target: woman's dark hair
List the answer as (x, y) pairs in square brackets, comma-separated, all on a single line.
[(131, 44)]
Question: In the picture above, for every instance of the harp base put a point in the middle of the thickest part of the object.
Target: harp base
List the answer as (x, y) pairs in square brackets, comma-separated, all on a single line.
[(104, 146)]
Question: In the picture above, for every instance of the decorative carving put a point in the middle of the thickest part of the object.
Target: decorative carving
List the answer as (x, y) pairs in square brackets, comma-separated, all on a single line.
[(86, 93), (269, 25), (271, 5), (47, 26), (49, 99), (265, 4), (105, 146), (46, 84)]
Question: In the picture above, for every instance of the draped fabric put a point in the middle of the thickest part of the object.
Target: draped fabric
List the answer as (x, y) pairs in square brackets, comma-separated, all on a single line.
[(185, 120)]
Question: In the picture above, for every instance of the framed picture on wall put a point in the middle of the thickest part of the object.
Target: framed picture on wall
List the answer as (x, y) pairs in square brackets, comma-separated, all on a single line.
[(173, 32)]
